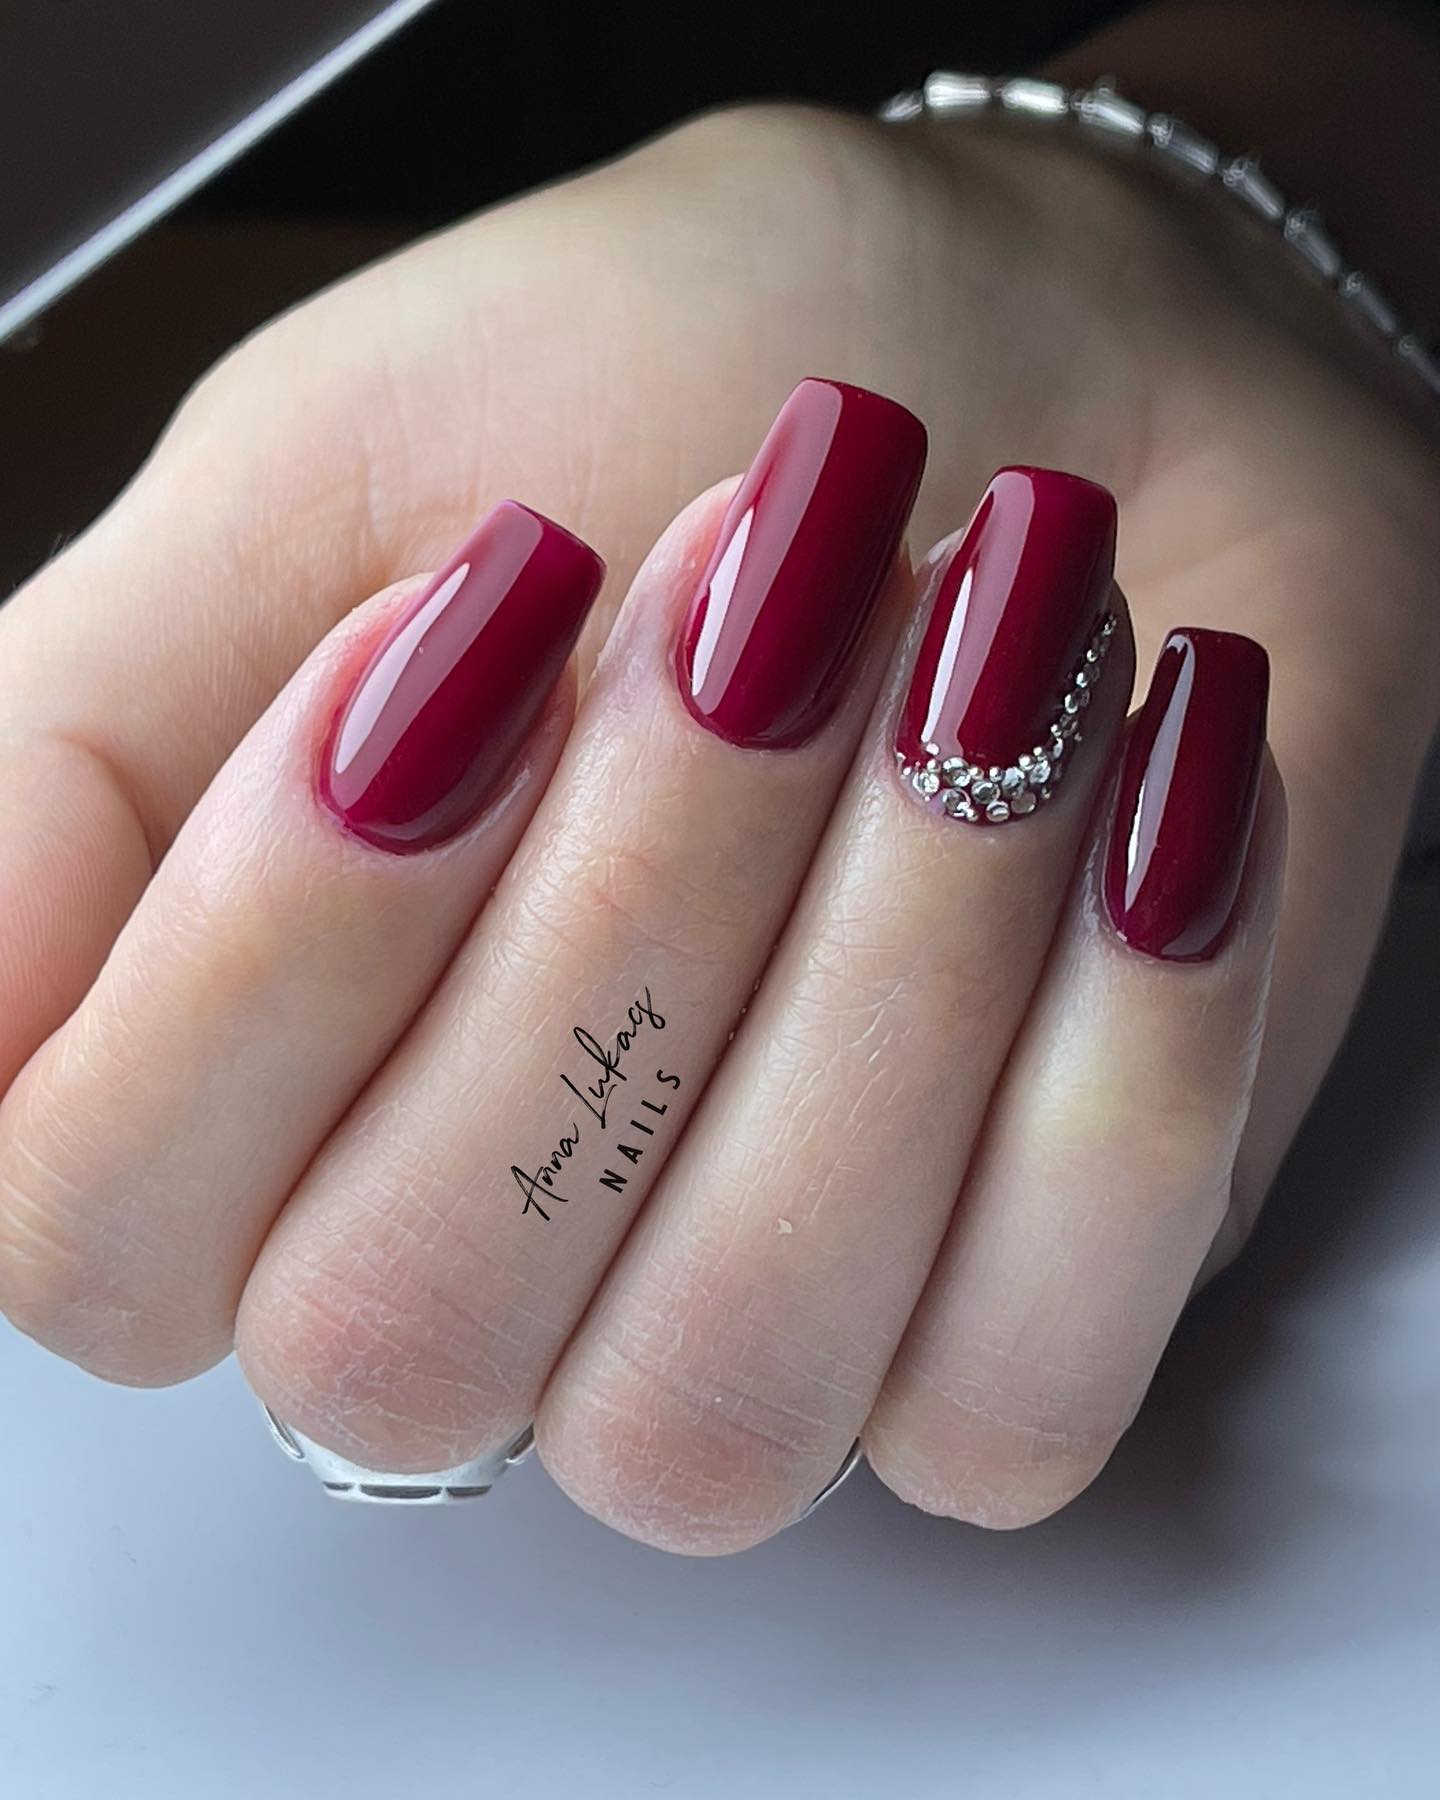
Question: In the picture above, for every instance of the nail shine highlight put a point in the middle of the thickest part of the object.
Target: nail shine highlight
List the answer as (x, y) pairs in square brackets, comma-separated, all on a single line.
[(799, 565), (442, 710)]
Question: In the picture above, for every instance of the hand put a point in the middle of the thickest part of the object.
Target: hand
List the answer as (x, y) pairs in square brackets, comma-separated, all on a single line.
[(604, 350)]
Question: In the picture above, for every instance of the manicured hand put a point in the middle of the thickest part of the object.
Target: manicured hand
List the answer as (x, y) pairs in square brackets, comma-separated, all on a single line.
[(366, 1045)]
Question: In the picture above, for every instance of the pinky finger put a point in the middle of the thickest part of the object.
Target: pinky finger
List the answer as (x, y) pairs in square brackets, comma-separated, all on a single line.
[(1105, 1172)]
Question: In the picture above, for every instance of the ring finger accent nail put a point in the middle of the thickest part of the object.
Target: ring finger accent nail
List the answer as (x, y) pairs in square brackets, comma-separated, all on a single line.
[(1186, 798), (799, 565), (448, 699), (1017, 639)]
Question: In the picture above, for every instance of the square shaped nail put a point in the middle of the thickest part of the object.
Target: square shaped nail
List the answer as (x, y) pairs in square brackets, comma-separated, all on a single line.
[(1185, 801), (442, 709), (1018, 631), (799, 565)]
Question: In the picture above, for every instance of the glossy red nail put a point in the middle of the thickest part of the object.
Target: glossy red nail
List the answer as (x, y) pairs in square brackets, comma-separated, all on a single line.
[(1185, 803), (446, 702), (800, 562), (1017, 635)]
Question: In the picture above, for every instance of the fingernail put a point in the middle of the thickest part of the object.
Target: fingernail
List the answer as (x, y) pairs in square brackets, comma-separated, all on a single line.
[(799, 565), (447, 701), (1017, 637), (853, 1458), (1185, 803), (346, 1480)]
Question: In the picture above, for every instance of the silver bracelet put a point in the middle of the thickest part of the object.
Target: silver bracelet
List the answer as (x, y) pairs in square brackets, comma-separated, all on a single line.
[(1108, 116)]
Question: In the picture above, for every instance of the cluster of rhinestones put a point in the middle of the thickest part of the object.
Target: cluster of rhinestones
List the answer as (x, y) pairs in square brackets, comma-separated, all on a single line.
[(990, 794)]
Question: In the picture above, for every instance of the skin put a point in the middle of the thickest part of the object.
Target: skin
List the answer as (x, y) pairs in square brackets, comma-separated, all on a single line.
[(1274, 477)]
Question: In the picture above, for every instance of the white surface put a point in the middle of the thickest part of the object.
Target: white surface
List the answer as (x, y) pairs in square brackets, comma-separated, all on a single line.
[(1248, 1604)]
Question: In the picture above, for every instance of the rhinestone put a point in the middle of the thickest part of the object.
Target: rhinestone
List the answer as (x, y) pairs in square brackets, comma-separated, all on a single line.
[(1370, 303), (1082, 680), (931, 749), (956, 771), (1311, 240), (997, 812), (1108, 628), (1072, 704), (1244, 177), (1103, 109), (1012, 782), (927, 782), (1022, 804), (947, 92), (1423, 361), (1040, 771), (958, 805), (984, 791), (903, 107), (1185, 146), (1024, 762), (1092, 655), (1040, 99)]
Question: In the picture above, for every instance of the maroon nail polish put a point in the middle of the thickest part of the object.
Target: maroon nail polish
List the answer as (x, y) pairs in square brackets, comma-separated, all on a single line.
[(448, 699), (800, 562), (1015, 644), (1185, 804)]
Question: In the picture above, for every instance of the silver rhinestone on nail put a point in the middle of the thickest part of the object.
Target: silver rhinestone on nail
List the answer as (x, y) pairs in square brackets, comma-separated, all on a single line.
[(996, 793)]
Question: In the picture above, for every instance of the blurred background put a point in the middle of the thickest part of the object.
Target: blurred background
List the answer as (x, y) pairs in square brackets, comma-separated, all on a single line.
[(461, 106), (464, 105)]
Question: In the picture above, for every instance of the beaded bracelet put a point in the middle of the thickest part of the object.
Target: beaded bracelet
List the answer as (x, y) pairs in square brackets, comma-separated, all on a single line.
[(1108, 115)]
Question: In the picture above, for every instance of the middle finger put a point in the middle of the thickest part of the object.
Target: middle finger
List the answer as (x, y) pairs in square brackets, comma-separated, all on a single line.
[(414, 1294), (743, 1333)]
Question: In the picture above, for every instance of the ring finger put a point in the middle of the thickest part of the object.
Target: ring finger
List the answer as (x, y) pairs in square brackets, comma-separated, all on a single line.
[(739, 1341)]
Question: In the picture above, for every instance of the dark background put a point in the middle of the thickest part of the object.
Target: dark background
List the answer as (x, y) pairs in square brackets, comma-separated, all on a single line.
[(470, 103)]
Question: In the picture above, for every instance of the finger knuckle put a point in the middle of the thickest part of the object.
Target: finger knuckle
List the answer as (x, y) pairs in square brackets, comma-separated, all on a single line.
[(635, 896), (1180, 1150), (677, 1458), (989, 1460), (358, 1339), (757, 129), (68, 1268)]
